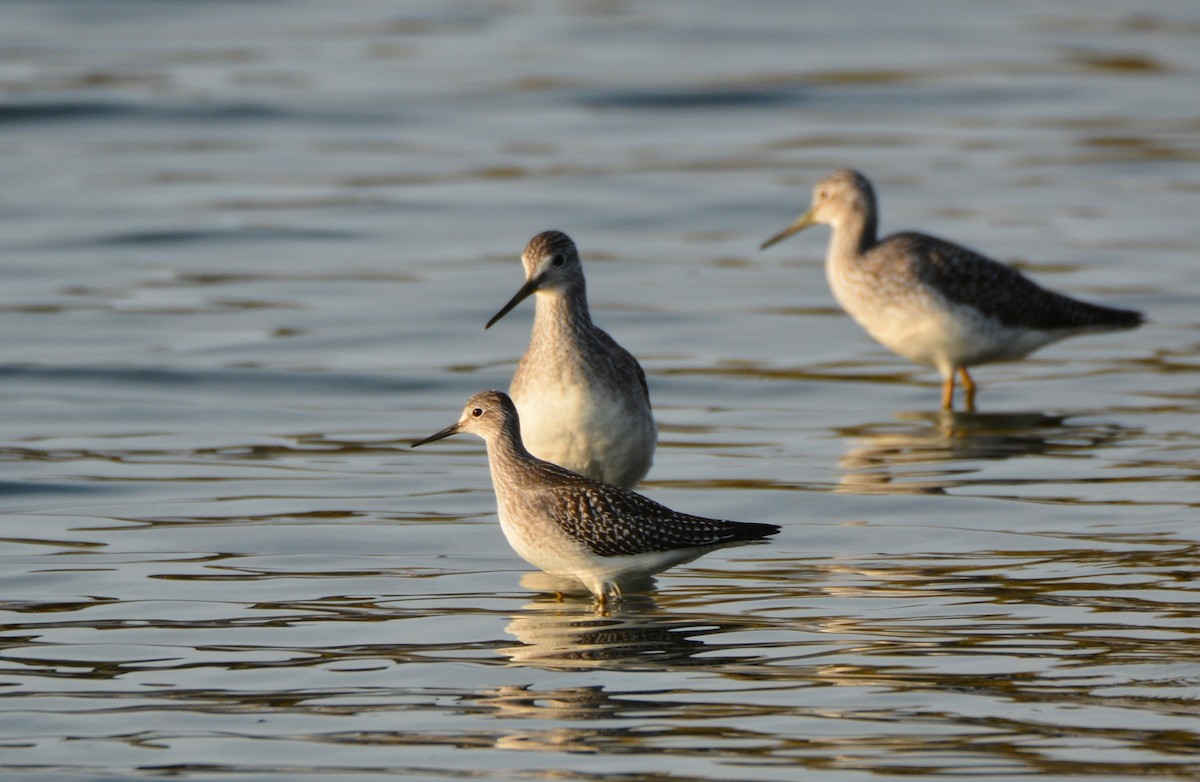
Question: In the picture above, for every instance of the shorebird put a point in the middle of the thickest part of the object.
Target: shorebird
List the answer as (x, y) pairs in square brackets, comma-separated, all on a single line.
[(577, 527), (583, 398), (933, 301)]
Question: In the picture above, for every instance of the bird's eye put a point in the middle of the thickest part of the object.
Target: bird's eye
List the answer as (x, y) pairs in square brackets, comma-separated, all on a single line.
[(557, 260), (477, 412)]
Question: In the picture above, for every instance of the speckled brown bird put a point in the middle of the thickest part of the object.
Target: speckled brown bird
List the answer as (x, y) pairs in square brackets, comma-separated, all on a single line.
[(931, 300), (577, 527), (583, 398)]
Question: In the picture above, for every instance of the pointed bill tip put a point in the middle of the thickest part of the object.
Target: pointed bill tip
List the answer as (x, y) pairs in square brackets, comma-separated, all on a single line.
[(449, 430), (525, 292), (776, 239), (802, 222)]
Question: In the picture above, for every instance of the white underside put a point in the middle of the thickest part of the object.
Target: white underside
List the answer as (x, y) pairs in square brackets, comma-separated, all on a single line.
[(928, 329), (585, 432), (953, 338), (603, 576), (546, 547)]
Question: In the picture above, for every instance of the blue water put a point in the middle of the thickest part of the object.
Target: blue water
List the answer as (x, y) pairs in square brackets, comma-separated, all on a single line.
[(248, 253)]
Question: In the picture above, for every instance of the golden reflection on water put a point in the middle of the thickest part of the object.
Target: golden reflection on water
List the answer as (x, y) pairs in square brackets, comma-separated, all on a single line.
[(933, 659), (572, 636), (1018, 661), (928, 453)]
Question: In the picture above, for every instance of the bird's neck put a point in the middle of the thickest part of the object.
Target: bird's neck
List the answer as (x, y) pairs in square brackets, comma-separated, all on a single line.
[(561, 316), (507, 457), (853, 235)]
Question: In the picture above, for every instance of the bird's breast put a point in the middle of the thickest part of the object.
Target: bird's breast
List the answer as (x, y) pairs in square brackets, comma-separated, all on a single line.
[(581, 421)]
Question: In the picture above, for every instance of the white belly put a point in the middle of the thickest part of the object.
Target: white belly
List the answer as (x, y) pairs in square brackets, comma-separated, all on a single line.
[(928, 329), (587, 433), (548, 548)]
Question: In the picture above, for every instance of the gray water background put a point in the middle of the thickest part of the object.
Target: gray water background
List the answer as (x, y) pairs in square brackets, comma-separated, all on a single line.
[(248, 249)]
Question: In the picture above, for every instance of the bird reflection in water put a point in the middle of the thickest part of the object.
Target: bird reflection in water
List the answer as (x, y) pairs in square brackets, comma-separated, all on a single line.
[(570, 635), (541, 720), (911, 457)]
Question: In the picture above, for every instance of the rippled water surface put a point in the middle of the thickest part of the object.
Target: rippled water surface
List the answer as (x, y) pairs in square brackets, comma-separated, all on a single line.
[(248, 252)]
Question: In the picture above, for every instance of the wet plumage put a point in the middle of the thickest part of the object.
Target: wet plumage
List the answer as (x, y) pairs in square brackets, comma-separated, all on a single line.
[(933, 301), (571, 525), (583, 398)]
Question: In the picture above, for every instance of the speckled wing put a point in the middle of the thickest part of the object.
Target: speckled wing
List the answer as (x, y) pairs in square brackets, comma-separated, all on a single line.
[(627, 368), (615, 522), (997, 290)]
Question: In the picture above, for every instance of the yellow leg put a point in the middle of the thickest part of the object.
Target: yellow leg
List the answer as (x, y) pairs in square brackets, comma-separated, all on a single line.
[(602, 597), (558, 596), (968, 389), (948, 392)]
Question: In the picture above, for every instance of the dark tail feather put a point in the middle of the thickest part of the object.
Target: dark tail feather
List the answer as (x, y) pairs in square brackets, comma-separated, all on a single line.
[(1061, 311), (749, 530), (1123, 319)]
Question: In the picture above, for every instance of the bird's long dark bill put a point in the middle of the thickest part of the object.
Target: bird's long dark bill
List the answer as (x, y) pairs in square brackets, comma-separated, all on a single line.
[(802, 222), (449, 430), (526, 291)]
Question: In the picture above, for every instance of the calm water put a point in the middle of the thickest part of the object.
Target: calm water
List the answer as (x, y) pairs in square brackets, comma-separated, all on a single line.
[(248, 252)]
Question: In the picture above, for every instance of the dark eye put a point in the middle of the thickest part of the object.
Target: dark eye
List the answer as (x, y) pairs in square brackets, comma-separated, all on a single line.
[(558, 260), (477, 412)]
